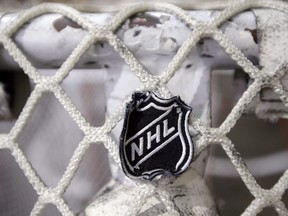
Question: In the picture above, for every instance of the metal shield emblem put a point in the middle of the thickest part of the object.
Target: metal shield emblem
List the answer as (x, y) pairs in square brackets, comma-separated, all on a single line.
[(155, 138)]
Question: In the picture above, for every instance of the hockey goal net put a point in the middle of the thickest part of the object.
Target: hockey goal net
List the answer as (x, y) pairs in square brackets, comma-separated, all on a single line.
[(260, 78)]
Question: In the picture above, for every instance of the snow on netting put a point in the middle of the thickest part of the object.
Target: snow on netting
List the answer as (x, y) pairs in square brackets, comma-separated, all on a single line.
[(209, 136)]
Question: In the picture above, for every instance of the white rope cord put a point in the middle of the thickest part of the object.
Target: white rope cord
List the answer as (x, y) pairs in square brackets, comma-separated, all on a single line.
[(263, 198)]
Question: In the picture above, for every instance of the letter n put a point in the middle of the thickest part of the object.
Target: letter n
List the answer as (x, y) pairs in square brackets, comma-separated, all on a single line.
[(136, 149)]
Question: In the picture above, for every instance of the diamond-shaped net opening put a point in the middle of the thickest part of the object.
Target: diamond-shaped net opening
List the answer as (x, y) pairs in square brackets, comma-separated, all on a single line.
[(45, 139), (87, 85), (227, 87), (51, 210), (249, 38), (87, 182), (267, 165), (236, 197), (193, 67), (228, 82), (93, 134), (268, 211), (150, 33), (60, 32)]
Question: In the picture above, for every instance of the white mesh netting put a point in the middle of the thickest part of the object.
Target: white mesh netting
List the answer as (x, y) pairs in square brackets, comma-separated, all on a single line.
[(209, 136)]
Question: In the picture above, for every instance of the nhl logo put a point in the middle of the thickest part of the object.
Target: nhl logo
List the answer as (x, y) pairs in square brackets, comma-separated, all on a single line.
[(155, 138)]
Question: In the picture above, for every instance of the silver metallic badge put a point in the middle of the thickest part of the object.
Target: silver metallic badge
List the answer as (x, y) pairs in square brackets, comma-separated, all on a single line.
[(155, 139)]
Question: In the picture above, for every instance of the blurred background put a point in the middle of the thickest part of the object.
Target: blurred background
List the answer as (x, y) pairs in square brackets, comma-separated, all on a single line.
[(262, 143), (111, 4)]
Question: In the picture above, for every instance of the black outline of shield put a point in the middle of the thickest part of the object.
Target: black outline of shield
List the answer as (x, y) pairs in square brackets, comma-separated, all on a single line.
[(150, 99)]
